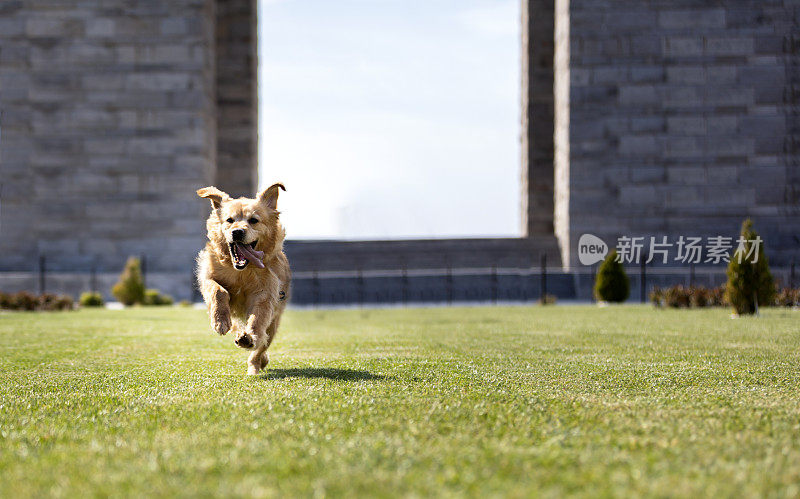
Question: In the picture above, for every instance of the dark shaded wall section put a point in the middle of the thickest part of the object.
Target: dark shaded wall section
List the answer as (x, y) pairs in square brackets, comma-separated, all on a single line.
[(537, 117), (237, 96)]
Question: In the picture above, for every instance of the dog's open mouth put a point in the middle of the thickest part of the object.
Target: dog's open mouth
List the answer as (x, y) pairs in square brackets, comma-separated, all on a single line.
[(244, 253)]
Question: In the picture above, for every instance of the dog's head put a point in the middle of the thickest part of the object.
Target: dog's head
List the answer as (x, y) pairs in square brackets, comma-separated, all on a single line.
[(244, 229)]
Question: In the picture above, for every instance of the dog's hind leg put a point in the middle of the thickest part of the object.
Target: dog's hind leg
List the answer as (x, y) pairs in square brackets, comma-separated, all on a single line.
[(256, 362), (259, 358)]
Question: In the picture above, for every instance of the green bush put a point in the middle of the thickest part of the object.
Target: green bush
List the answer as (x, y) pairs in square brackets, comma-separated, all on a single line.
[(750, 283), (129, 290), (612, 283), (717, 296), (91, 299), (677, 296), (788, 297), (699, 297), (154, 297), (657, 297), (24, 300), (680, 296)]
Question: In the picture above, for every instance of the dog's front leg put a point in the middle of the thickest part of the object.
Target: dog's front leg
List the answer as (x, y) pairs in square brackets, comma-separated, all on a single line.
[(218, 301)]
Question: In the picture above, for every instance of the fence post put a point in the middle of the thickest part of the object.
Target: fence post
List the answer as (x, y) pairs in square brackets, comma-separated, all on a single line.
[(543, 280), (42, 272), (315, 285), (93, 279), (449, 284), (405, 284), (360, 281), (643, 280), (494, 283)]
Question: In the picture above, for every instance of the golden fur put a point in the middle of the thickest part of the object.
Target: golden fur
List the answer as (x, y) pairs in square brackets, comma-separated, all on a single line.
[(248, 302)]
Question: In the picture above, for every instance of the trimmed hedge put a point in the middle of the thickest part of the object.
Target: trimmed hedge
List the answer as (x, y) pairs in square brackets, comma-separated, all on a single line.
[(91, 299), (155, 297), (681, 296), (26, 301)]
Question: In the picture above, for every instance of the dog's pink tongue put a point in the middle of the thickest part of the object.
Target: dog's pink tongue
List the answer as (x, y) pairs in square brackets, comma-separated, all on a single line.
[(253, 256)]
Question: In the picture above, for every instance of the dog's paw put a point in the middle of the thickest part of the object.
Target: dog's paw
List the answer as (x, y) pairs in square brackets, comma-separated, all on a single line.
[(221, 323), (245, 341)]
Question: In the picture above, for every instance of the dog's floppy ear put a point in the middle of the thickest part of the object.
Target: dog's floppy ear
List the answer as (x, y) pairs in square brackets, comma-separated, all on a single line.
[(269, 196), (215, 195)]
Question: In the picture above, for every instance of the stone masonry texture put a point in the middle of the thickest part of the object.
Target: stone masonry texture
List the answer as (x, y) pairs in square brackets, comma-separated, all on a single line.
[(639, 118), (682, 120), (112, 116)]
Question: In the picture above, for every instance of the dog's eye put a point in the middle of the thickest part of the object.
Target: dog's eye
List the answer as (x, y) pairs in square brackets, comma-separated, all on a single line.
[(230, 220), (253, 221)]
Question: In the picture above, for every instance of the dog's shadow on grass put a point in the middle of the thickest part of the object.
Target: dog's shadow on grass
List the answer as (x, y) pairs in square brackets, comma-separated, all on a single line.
[(322, 372)]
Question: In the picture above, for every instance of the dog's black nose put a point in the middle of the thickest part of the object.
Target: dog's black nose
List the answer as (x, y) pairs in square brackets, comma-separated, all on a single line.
[(244, 341), (238, 234)]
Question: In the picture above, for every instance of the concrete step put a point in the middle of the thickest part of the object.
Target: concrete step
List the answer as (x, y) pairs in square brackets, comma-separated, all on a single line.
[(433, 288), (323, 256)]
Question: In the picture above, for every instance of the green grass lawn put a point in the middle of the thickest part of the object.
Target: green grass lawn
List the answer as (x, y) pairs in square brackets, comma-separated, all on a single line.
[(514, 401)]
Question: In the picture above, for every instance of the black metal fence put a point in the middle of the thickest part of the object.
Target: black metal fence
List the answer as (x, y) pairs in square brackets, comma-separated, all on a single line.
[(403, 286)]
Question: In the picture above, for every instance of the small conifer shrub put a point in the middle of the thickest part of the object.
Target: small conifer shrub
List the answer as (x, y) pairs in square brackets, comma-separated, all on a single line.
[(612, 283), (129, 290), (750, 282)]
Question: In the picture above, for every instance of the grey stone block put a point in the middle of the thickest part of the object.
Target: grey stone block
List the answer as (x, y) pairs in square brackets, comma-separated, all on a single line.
[(721, 74), (613, 74), (647, 124), (729, 146), (640, 195), (157, 81), (11, 27), (638, 145), (174, 26), (730, 46), (683, 46), (682, 197), (686, 75), (648, 174), (52, 26), (734, 96), (684, 97), (645, 74), (692, 18), (686, 125), (722, 124), (722, 174), (638, 94), (683, 147), (686, 175), (100, 27)]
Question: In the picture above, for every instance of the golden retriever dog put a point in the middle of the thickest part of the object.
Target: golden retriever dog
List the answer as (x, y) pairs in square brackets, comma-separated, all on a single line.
[(243, 273)]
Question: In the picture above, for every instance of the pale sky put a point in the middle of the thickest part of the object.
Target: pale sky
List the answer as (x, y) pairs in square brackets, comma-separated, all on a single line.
[(391, 118)]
